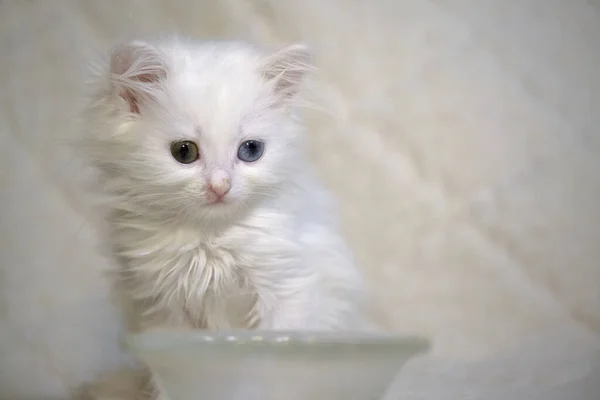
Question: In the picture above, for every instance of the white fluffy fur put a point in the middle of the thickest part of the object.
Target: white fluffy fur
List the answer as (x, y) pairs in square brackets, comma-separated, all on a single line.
[(461, 146), (268, 255)]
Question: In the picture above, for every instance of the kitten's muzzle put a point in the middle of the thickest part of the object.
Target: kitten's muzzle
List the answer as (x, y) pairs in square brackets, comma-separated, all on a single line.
[(219, 184)]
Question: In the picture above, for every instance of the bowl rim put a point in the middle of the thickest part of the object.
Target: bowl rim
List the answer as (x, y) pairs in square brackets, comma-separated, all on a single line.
[(161, 340)]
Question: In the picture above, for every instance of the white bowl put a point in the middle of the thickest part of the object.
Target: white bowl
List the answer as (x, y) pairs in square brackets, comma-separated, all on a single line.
[(252, 365)]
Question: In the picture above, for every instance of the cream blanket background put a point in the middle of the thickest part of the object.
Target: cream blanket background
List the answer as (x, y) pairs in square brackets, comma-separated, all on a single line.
[(462, 143)]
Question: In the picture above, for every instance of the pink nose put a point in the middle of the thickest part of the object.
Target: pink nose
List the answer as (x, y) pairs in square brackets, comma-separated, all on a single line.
[(220, 183), (220, 191)]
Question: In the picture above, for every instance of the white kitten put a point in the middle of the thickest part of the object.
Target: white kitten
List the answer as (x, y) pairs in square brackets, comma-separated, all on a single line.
[(214, 214)]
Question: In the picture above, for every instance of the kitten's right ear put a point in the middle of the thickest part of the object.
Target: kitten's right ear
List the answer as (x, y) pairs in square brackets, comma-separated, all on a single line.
[(135, 70)]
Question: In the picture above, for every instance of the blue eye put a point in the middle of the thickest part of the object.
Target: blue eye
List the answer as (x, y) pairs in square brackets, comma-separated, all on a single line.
[(251, 150)]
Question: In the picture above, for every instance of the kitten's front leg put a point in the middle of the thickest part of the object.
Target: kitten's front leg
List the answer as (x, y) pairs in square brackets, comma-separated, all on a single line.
[(286, 315), (294, 307)]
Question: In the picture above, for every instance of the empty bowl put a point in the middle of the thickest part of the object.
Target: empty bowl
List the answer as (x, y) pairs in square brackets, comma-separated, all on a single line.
[(254, 365)]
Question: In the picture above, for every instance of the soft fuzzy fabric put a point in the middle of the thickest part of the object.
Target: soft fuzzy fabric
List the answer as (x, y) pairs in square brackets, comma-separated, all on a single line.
[(460, 137)]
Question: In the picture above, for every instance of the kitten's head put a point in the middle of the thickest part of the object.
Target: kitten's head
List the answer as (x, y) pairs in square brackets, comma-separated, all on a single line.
[(196, 130)]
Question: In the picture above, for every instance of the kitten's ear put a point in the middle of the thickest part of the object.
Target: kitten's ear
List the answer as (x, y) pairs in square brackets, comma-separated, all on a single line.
[(287, 69), (135, 69)]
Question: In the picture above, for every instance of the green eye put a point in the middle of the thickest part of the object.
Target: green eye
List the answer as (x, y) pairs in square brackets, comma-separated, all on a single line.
[(185, 151)]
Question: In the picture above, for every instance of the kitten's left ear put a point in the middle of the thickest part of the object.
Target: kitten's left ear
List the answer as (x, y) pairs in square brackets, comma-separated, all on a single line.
[(287, 69)]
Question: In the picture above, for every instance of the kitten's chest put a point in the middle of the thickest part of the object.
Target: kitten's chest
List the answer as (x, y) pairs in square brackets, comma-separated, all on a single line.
[(212, 280), (221, 293), (202, 280)]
